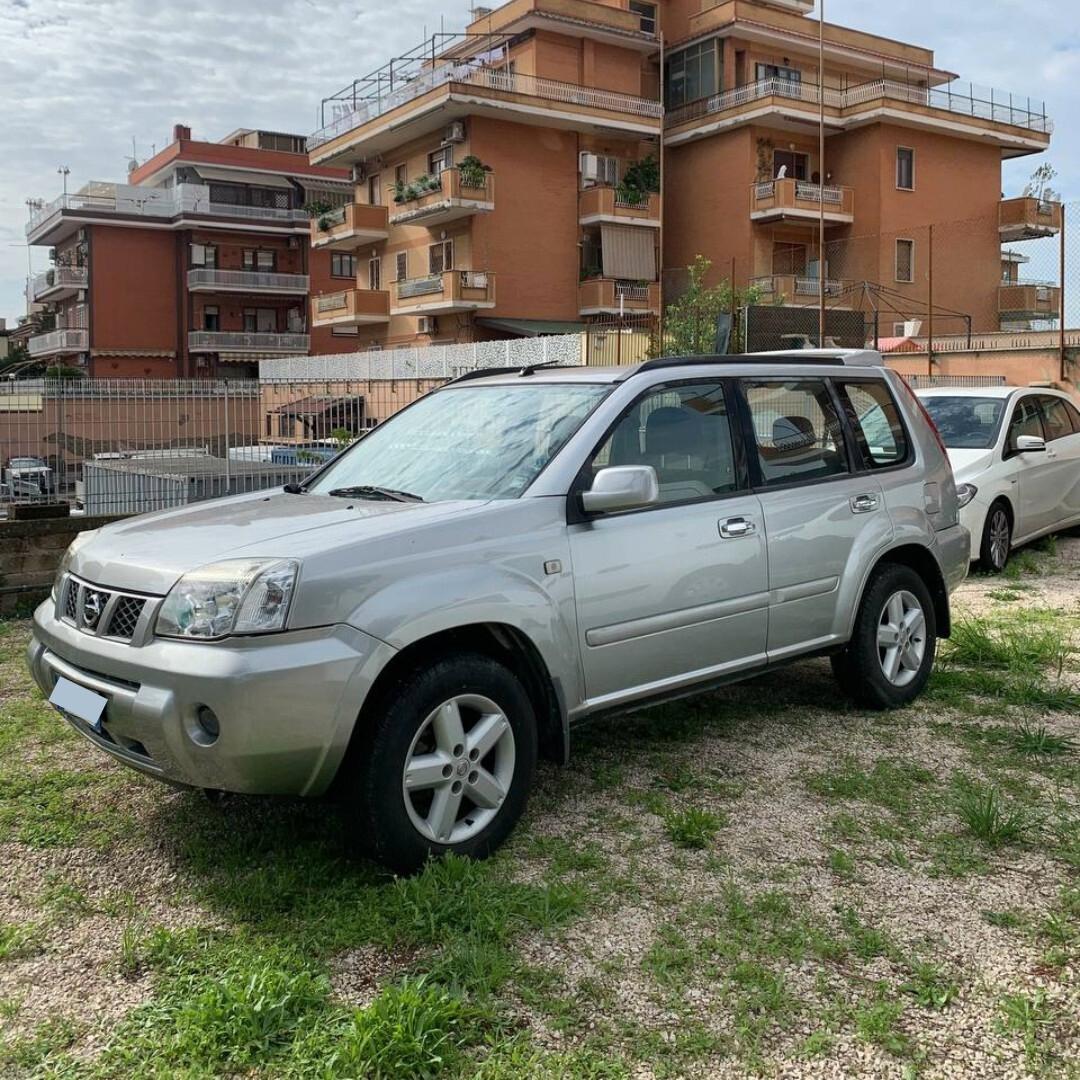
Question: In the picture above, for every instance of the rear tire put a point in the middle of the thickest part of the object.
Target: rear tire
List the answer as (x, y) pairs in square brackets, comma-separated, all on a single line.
[(891, 653), (996, 539), (446, 765)]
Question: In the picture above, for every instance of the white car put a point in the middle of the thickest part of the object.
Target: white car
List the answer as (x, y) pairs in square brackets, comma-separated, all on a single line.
[(1015, 452)]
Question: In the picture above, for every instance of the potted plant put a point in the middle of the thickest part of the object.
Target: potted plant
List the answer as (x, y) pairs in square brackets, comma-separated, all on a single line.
[(317, 208), (472, 172)]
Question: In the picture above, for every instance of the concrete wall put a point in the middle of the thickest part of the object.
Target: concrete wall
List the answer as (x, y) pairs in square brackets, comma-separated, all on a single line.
[(1021, 367), (30, 552)]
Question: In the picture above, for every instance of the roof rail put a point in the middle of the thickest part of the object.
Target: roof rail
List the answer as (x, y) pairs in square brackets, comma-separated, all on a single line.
[(516, 369), (822, 357)]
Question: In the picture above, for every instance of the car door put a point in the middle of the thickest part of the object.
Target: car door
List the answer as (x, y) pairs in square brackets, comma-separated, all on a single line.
[(674, 593), (1062, 459), (1036, 498), (823, 510)]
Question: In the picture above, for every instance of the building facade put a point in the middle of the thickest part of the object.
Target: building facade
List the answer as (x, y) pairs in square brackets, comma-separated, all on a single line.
[(557, 100), (199, 266)]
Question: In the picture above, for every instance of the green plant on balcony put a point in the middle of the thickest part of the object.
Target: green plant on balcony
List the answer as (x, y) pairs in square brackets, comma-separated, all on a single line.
[(325, 224), (589, 273), (473, 172), (421, 186), (640, 180), (317, 208), (765, 148)]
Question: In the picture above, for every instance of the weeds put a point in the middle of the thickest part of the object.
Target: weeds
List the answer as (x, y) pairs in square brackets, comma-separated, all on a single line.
[(1039, 741), (692, 828), (982, 811)]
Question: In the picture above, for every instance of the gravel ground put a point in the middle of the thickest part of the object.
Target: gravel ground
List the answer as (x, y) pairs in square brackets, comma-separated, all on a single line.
[(749, 758)]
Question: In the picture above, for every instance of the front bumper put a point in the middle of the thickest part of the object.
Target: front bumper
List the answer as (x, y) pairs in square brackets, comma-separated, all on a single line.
[(286, 703)]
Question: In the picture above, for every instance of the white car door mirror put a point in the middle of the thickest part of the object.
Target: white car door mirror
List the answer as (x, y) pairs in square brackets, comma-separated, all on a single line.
[(1030, 444), (621, 487)]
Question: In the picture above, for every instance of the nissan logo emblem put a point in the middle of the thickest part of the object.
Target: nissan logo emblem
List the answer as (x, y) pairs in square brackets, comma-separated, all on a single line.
[(92, 606)]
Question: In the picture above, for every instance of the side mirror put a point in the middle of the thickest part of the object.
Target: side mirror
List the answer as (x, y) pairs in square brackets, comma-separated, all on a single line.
[(1030, 444), (621, 487)]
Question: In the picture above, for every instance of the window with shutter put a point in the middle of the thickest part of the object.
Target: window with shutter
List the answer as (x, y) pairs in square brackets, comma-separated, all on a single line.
[(905, 260)]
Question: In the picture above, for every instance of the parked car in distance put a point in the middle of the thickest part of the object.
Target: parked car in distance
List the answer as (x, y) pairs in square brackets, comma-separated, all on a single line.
[(29, 476), (513, 553), (1015, 452)]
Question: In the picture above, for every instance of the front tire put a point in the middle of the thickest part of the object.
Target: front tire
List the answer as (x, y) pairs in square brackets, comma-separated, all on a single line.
[(447, 764), (888, 661), (996, 539)]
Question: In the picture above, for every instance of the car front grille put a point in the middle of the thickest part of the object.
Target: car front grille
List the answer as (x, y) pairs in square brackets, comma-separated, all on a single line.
[(102, 612)]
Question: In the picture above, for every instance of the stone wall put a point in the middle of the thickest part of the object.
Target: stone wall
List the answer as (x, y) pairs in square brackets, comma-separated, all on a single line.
[(30, 552)]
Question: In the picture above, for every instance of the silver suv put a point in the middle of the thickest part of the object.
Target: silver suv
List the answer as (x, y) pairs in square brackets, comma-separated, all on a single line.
[(517, 551)]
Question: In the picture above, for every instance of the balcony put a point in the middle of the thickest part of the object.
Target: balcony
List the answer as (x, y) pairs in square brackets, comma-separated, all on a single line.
[(607, 296), (352, 307), (431, 97), (224, 341), (445, 293), (59, 283), (59, 342), (349, 227), (451, 198), (801, 202), (1029, 300), (175, 207), (1028, 219), (1018, 125), (603, 206), (247, 281), (792, 289)]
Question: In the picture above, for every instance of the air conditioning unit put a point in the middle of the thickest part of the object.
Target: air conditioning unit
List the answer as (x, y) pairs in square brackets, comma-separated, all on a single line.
[(359, 172), (589, 167), (455, 132), (427, 324)]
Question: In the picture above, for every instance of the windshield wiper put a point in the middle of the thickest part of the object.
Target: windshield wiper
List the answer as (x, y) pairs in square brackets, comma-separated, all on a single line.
[(370, 491), (294, 489)]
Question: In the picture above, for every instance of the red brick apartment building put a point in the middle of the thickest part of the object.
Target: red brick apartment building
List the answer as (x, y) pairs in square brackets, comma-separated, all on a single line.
[(491, 170), (199, 266)]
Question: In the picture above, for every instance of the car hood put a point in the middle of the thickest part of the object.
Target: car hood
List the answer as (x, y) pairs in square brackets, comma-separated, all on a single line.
[(151, 552), (969, 463)]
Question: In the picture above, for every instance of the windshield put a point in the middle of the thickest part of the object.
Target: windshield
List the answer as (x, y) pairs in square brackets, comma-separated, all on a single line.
[(467, 442), (966, 423)]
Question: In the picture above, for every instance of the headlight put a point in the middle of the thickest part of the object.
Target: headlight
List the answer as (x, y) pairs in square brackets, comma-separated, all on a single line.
[(965, 493), (69, 555), (240, 596)]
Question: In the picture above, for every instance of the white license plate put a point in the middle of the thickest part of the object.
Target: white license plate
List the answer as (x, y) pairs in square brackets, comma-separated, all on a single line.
[(71, 698)]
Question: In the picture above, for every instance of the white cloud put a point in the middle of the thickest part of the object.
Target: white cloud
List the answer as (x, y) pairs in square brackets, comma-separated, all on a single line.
[(79, 78)]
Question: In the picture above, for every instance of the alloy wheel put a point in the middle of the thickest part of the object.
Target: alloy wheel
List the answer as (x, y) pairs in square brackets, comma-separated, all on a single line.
[(901, 638), (999, 538), (459, 769)]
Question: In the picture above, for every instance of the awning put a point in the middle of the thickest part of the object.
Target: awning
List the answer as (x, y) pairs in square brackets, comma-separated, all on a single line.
[(317, 404), (531, 327), (628, 252), (240, 176), (325, 184)]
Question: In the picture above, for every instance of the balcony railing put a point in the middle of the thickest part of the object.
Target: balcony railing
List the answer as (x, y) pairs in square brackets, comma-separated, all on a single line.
[(603, 203), (69, 340), (1029, 298), (349, 226), (796, 288), (60, 278), (350, 307), (450, 199), (460, 290), (598, 295), (992, 105), (247, 281), (132, 200), (488, 78), (771, 199), (1028, 218), (240, 341)]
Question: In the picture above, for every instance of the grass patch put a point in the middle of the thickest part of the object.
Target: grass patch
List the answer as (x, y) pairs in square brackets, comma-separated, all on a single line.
[(18, 940), (983, 813), (1023, 648), (1038, 740), (692, 828), (894, 785)]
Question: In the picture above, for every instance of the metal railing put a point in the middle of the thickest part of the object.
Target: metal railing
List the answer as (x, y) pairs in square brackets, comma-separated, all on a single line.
[(631, 290), (354, 116), (69, 277), (816, 193), (67, 340), (960, 99), (248, 279), (243, 341), (420, 286), (473, 279), (810, 287), (129, 199)]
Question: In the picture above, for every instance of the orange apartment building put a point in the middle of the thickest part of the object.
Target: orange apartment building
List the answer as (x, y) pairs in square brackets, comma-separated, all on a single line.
[(487, 171), (199, 266)]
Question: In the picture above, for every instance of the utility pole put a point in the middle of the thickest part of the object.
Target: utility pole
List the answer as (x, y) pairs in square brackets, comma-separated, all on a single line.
[(930, 306), (663, 194), (1061, 303), (821, 176), (65, 172)]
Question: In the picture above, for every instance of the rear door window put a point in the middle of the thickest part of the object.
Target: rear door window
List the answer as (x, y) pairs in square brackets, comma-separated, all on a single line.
[(797, 432), (875, 419)]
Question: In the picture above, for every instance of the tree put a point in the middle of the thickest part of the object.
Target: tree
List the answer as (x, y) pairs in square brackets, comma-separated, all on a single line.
[(1038, 187), (690, 322)]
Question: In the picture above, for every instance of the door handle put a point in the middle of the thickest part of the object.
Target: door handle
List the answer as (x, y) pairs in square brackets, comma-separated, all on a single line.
[(863, 504), (736, 527)]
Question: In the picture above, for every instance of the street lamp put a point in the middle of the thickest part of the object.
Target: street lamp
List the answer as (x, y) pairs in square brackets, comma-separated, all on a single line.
[(64, 171)]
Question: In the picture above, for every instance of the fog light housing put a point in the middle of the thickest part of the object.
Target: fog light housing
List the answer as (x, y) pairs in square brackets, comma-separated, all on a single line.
[(206, 727)]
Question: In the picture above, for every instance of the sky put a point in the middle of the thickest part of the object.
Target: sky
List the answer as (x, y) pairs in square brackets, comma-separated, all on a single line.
[(79, 79)]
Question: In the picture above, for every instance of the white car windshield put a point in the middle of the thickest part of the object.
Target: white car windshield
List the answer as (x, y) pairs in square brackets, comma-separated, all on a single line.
[(464, 442), (966, 423)]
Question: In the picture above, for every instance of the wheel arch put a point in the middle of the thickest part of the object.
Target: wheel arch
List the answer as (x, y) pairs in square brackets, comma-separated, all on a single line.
[(925, 564), (502, 642)]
